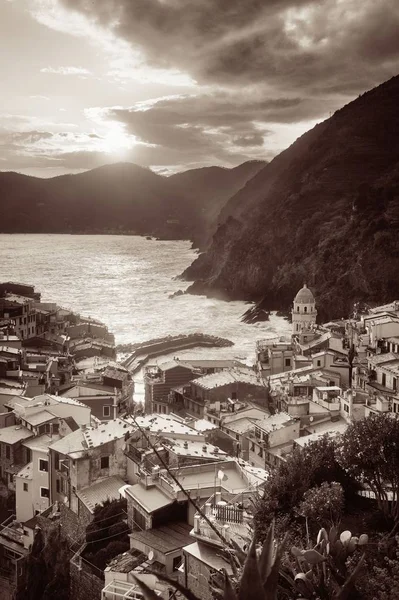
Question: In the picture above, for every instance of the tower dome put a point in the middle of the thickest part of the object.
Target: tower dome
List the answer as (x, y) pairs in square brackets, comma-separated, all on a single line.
[(304, 296)]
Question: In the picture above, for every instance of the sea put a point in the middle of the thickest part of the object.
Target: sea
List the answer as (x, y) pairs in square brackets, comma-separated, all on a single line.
[(127, 282)]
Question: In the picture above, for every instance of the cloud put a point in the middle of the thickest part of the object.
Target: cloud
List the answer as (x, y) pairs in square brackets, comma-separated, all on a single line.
[(308, 45), (66, 70), (216, 126)]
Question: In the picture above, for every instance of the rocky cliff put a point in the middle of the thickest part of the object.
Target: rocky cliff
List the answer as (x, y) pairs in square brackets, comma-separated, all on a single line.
[(325, 211)]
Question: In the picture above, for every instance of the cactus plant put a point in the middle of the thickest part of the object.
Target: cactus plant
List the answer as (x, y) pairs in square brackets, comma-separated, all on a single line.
[(322, 570)]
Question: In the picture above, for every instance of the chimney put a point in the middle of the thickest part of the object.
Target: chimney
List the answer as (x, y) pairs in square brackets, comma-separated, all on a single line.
[(197, 524)]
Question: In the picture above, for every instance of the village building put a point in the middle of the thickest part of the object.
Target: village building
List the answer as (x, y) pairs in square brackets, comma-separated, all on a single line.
[(103, 400), (203, 395), (159, 381), (271, 438), (274, 355), (304, 314), (20, 309), (88, 466)]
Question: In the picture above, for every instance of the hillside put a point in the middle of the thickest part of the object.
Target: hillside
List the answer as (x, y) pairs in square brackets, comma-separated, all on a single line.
[(120, 197), (208, 189), (324, 211)]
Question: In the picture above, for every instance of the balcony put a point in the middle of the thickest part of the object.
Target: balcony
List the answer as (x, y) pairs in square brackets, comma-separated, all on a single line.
[(134, 453), (123, 590)]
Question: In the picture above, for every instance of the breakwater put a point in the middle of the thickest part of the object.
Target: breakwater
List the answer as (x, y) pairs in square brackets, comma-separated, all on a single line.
[(142, 352)]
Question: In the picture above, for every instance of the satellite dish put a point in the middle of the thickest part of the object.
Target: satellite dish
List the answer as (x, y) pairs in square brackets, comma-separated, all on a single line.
[(150, 555), (311, 419)]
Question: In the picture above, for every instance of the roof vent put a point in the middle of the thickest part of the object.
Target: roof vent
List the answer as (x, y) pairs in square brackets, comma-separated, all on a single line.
[(215, 450), (185, 444), (204, 448)]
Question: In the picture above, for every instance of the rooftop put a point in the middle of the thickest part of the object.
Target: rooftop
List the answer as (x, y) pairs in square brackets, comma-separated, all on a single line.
[(235, 478), (209, 556), (241, 425), (165, 539), (18, 299), (117, 374), (382, 359), (274, 422), (38, 418), (304, 296), (97, 493), (382, 319), (11, 383), (150, 499), (195, 449), (202, 425), (79, 441), (86, 389), (320, 339), (334, 427), (126, 562), (163, 424), (26, 472), (211, 363), (9, 350), (172, 364), (229, 376), (41, 442), (14, 433)]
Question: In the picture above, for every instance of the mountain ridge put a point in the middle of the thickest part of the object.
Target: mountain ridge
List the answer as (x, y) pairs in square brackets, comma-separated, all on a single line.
[(324, 211), (119, 197)]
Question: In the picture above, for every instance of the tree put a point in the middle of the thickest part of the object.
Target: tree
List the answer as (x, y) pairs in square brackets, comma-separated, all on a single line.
[(370, 453), (304, 468), (36, 571), (323, 504)]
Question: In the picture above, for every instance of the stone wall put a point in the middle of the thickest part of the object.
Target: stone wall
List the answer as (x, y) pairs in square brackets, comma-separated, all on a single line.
[(196, 577), (133, 508), (84, 584), (73, 527)]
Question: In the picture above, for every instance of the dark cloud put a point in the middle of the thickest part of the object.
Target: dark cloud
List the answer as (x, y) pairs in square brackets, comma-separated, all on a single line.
[(287, 44), (222, 126)]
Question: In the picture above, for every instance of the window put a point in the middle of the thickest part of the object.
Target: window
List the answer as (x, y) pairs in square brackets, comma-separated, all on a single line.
[(8, 451), (25, 487), (305, 308), (44, 493), (105, 462), (56, 461), (319, 363), (297, 309), (237, 437), (287, 362), (346, 408), (106, 411), (177, 562), (252, 447), (43, 465), (57, 486), (383, 379)]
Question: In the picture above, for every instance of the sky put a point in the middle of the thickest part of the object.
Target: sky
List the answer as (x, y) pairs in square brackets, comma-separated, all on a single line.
[(180, 84)]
